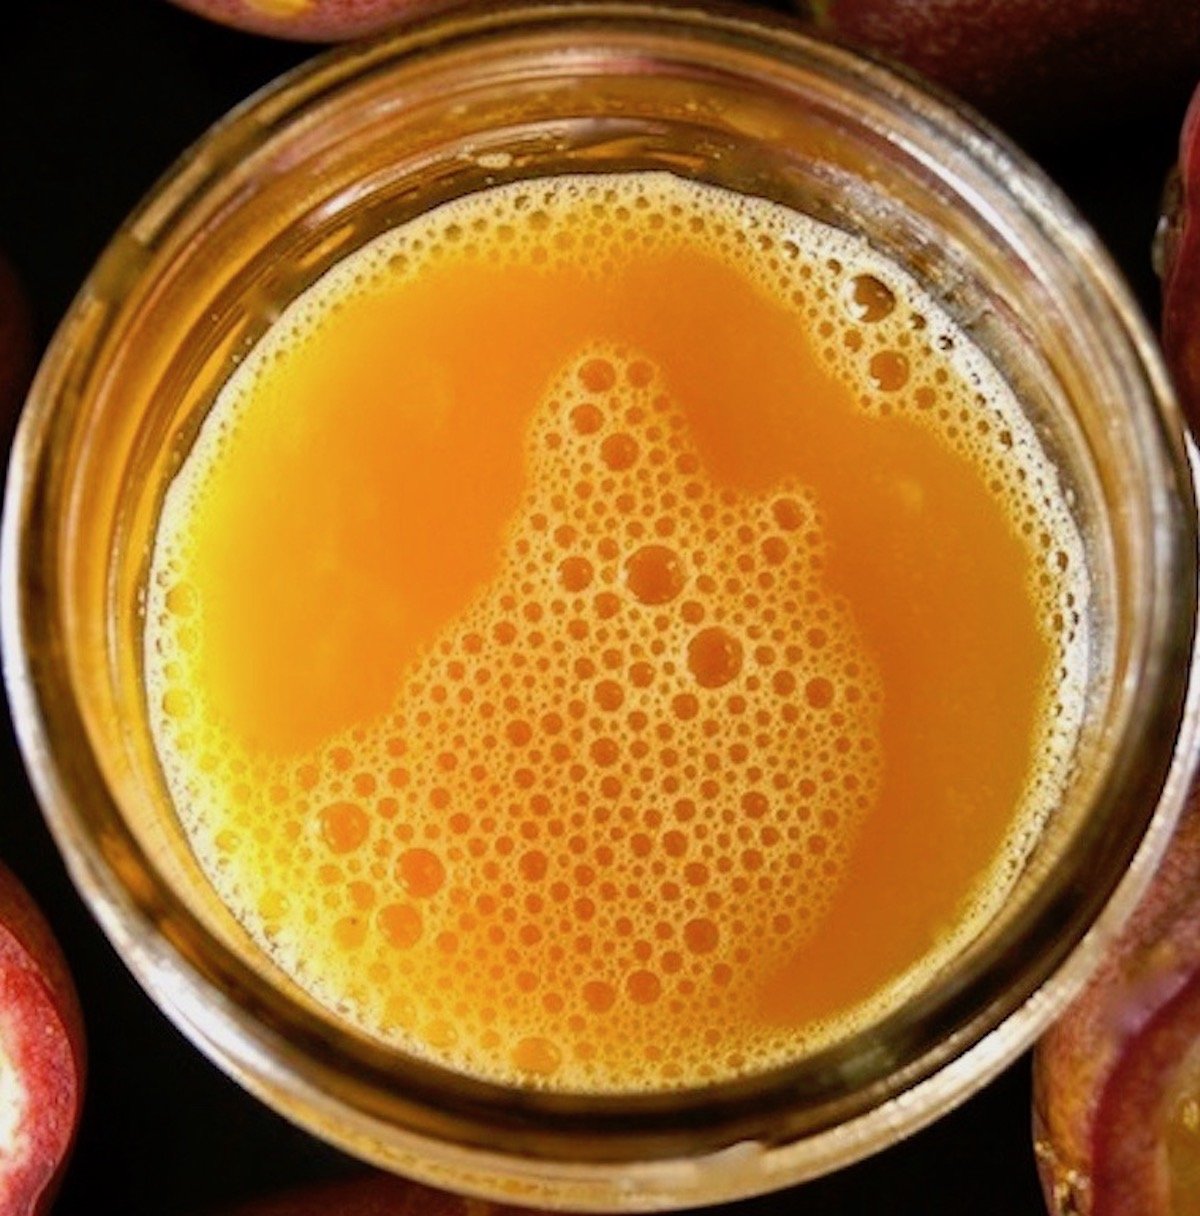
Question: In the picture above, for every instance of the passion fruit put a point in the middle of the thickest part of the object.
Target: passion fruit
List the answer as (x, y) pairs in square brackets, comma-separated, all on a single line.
[(1117, 1079), (1037, 65), (1179, 263), (313, 20), (41, 1056)]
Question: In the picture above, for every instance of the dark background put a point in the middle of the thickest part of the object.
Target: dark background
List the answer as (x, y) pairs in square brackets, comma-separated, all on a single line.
[(97, 98)]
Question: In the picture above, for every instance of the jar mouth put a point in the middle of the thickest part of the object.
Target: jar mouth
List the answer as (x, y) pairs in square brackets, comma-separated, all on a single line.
[(833, 1105)]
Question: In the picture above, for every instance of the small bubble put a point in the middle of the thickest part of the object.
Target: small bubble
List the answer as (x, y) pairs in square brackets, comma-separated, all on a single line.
[(605, 752), (701, 935), (420, 872), (344, 826), (586, 418), (599, 996), (619, 452), (654, 574), (609, 695), (182, 599), (818, 692), (696, 873), (889, 370), (401, 925), (641, 675), (788, 513), (518, 732), (774, 550), (177, 703), (639, 373), (575, 573), (597, 375), (350, 932), (867, 299), (441, 1034), (533, 865), (714, 657), (754, 804), (537, 1056), (362, 895), (692, 612), (644, 987)]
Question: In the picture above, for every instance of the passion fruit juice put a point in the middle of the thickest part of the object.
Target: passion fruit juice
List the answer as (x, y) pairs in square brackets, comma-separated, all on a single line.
[(612, 633)]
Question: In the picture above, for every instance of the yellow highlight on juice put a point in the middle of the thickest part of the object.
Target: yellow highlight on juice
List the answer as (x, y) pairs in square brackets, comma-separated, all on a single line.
[(614, 634)]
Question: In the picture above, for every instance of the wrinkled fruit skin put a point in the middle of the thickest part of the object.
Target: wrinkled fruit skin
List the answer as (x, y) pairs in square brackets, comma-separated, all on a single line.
[(314, 20), (16, 348), (1180, 251), (1037, 65), (374, 1195), (1103, 1074), (41, 1036)]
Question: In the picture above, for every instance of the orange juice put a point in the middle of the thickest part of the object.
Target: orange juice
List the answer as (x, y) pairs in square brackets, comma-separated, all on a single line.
[(612, 633)]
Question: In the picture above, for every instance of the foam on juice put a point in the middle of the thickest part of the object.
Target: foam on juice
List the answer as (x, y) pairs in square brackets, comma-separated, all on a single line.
[(591, 834)]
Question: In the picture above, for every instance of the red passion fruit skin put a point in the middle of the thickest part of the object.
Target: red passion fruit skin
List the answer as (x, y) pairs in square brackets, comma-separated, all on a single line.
[(1180, 257), (1042, 66), (315, 20), (1108, 1076), (42, 1047), (1105, 1074)]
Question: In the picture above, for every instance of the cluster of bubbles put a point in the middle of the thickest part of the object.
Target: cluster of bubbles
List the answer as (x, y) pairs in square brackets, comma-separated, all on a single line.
[(617, 793), (871, 325)]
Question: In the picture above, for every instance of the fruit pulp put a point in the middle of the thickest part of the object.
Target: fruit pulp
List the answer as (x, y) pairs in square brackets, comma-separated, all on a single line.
[(614, 633)]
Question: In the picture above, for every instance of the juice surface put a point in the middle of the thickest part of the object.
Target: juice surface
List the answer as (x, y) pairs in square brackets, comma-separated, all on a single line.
[(613, 634)]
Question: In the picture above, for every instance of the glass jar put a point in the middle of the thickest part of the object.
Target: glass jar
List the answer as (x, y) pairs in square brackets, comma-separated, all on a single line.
[(361, 140)]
